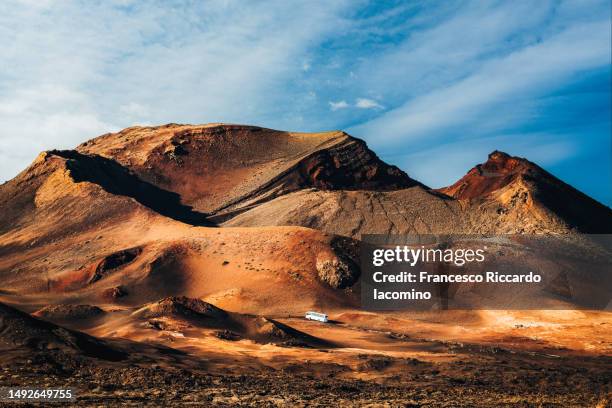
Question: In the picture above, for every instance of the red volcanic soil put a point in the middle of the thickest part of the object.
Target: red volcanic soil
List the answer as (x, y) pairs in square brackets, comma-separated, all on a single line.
[(217, 168), (513, 180), (188, 255), (498, 171)]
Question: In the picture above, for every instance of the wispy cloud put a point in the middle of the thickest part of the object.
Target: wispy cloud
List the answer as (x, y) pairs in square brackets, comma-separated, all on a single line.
[(77, 70), (527, 72), (365, 103), (360, 103), (334, 106)]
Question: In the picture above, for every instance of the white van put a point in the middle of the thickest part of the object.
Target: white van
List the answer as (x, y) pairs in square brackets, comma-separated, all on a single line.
[(321, 317)]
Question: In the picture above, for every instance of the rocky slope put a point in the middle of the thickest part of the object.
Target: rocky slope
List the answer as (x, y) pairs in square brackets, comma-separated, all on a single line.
[(108, 219), (504, 195), (82, 228), (18, 329), (220, 168), (523, 193), (354, 213), (212, 239)]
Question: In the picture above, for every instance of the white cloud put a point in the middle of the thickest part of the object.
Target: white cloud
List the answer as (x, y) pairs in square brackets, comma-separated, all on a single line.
[(41, 118), (529, 71), (334, 106), (361, 103), (74, 71), (364, 103), (450, 43)]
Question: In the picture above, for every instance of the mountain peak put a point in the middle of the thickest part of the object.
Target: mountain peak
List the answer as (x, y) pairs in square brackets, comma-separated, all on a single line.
[(499, 155), (499, 170), (499, 162), (502, 160), (221, 167), (503, 175)]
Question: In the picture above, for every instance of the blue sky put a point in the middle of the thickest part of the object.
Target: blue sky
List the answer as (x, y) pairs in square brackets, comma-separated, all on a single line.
[(433, 87)]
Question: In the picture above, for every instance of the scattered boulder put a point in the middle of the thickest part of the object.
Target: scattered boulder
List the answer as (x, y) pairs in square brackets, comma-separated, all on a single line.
[(373, 362), (337, 272), (114, 293), (227, 335), (69, 312)]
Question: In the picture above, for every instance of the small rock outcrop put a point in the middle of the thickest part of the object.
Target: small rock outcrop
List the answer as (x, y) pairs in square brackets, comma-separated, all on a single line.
[(337, 273)]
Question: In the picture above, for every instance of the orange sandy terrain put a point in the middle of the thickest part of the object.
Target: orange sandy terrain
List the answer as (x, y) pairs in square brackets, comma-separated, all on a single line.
[(199, 248)]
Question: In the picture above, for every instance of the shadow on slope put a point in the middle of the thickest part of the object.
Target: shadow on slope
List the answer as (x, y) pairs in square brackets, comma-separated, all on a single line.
[(116, 179), (165, 313), (22, 330)]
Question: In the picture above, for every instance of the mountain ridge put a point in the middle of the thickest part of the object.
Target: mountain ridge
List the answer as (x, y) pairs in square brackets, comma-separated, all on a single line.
[(187, 173), (201, 247), (254, 164), (506, 179), (72, 217)]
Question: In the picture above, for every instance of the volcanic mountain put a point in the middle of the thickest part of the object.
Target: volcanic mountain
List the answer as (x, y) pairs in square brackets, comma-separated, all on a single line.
[(503, 195), (83, 229), (220, 168), (211, 239), (134, 216), (511, 182)]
